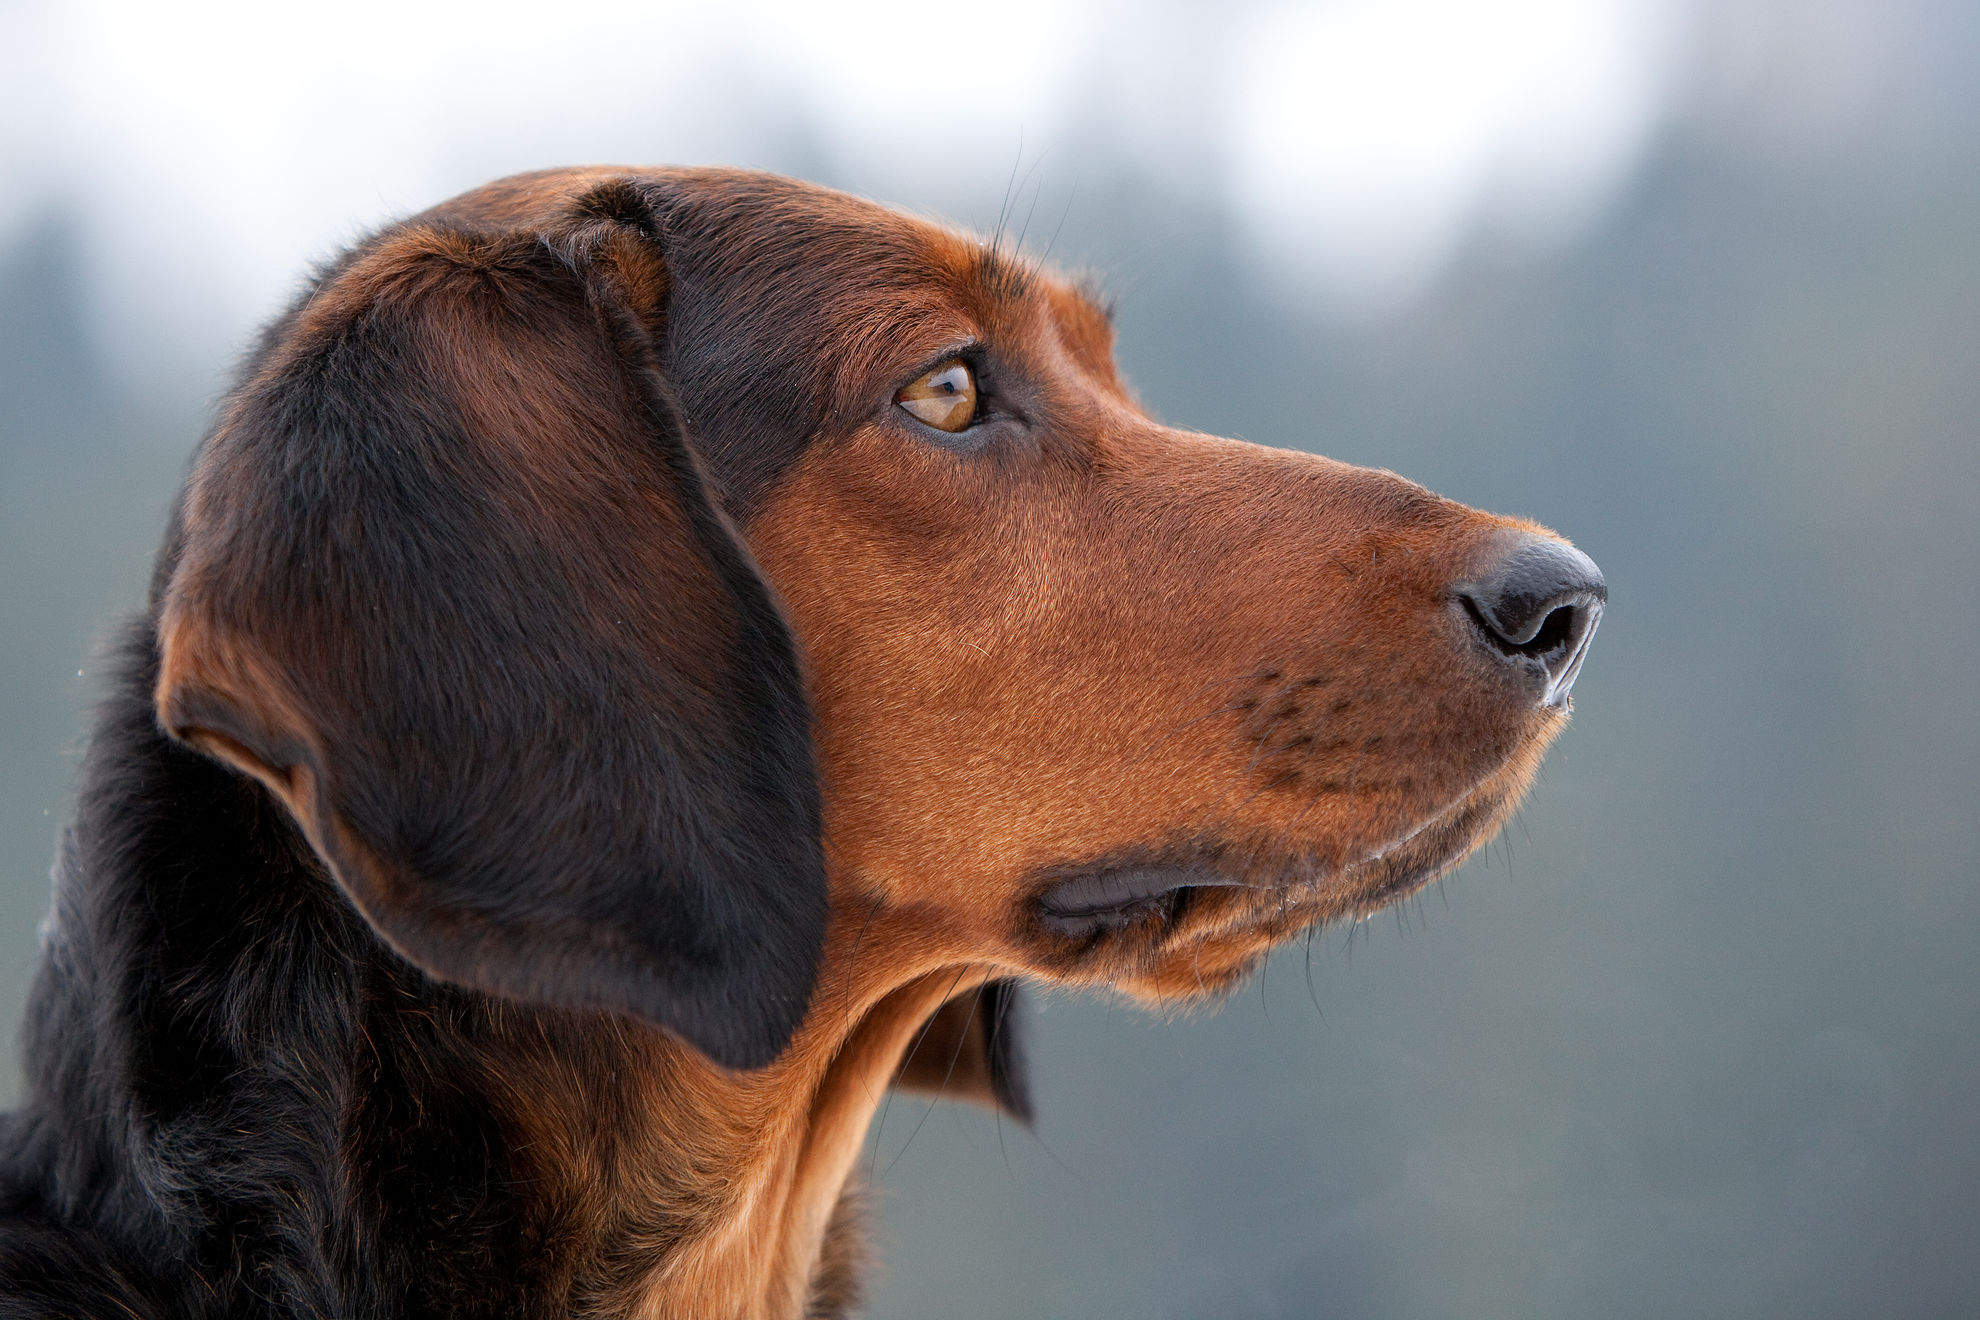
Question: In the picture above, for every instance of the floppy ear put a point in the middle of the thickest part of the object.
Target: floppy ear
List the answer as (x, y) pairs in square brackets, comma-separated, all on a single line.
[(451, 584), (972, 1049)]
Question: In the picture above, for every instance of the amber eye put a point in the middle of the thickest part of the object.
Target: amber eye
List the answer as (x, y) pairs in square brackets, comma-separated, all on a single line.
[(945, 398)]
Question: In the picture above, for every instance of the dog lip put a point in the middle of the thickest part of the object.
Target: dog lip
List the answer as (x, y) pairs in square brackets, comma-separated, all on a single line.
[(1109, 899)]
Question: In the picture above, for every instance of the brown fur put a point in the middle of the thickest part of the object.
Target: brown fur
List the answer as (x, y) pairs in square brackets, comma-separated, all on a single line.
[(1096, 640), (1125, 641)]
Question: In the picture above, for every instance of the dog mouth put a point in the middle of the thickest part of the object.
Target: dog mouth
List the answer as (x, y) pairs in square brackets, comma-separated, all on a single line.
[(1117, 897), (1224, 886)]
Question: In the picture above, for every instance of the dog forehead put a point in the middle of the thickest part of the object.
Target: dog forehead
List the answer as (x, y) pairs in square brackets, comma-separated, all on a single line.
[(791, 307), (796, 311), (775, 234), (832, 270), (748, 209)]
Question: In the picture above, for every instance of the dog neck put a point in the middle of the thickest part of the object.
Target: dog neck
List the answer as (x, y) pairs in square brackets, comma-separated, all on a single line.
[(687, 1190)]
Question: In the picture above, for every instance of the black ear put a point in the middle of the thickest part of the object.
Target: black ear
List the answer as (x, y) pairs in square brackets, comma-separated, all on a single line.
[(451, 584), (973, 1049)]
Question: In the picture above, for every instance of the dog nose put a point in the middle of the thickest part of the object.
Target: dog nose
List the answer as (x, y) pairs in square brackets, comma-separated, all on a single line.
[(1538, 607)]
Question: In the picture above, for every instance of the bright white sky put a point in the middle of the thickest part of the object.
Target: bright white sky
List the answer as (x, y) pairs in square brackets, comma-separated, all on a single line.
[(214, 149)]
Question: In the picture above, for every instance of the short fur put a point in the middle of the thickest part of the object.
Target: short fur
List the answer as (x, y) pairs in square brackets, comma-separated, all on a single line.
[(585, 743)]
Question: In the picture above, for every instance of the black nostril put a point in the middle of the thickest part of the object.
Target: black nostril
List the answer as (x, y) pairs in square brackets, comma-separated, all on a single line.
[(1539, 605)]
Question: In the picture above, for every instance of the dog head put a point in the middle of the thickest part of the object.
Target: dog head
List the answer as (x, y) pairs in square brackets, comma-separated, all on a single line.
[(621, 576)]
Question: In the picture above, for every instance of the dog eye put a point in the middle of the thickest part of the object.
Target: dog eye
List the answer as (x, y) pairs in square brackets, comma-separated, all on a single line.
[(945, 398)]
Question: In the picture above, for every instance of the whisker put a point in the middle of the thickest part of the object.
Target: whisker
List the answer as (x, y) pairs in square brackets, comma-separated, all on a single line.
[(1264, 970), (1004, 211), (1190, 724), (888, 1103), (1252, 677), (1272, 723), (1276, 781), (1054, 240), (1312, 932), (1018, 247), (974, 1000)]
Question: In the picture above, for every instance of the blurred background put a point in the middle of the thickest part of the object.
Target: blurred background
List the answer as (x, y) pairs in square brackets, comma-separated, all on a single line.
[(1696, 284)]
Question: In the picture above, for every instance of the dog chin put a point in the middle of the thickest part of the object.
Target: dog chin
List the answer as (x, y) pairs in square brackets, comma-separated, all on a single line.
[(1195, 926)]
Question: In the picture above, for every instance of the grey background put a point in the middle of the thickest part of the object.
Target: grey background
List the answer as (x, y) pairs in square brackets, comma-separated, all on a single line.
[(1698, 1036)]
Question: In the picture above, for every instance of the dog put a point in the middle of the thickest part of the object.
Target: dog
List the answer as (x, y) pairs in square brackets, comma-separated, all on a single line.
[(645, 660)]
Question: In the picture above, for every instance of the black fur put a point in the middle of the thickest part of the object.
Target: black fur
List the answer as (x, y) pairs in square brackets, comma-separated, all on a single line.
[(240, 1100), (557, 743), (208, 1013), (1010, 1073)]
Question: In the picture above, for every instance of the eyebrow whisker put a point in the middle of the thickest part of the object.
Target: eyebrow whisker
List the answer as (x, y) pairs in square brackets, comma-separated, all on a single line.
[(1053, 241)]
